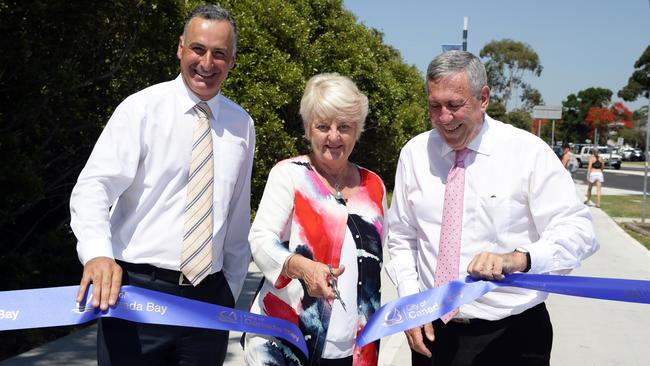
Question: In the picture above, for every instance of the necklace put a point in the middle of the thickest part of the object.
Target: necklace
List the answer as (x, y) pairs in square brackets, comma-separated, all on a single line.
[(338, 195)]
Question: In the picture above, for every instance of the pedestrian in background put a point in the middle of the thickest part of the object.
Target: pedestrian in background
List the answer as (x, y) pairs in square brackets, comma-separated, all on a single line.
[(595, 175)]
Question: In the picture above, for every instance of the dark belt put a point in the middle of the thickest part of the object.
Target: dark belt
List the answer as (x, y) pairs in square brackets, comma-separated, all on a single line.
[(162, 274)]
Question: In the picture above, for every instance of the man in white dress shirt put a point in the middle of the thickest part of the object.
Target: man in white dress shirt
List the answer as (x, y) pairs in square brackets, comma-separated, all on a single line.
[(520, 214), (128, 205)]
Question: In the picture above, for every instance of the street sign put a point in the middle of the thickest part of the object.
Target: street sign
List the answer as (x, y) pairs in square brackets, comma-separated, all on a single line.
[(547, 112), (451, 47)]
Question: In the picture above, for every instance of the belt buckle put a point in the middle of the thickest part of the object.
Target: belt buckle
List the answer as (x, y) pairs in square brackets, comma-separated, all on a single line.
[(181, 280), (465, 321)]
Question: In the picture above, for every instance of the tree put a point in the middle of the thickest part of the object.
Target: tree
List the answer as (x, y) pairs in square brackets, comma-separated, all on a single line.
[(507, 63), (530, 97), (597, 119), (639, 83), (66, 66), (608, 121), (575, 108), (519, 118)]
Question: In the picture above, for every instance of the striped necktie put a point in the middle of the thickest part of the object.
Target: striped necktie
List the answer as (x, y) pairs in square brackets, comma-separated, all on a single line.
[(451, 228), (196, 257)]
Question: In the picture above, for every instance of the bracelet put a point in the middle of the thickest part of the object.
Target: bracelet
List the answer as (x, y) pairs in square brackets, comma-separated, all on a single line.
[(285, 267)]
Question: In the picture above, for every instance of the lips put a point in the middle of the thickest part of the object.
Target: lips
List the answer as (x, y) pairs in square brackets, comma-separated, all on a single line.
[(205, 75), (451, 128)]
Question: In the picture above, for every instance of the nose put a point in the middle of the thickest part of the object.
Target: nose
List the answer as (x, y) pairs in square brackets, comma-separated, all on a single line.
[(445, 116), (334, 134), (206, 61)]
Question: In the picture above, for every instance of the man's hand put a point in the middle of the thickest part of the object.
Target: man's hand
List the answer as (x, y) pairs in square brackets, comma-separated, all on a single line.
[(416, 340), (106, 276), (493, 266)]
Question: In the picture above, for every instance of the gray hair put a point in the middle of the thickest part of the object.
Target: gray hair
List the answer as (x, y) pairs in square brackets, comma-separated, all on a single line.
[(331, 96), (453, 62), (212, 12)]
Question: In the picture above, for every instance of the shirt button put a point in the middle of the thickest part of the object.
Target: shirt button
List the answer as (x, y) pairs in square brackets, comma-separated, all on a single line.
[(360, 260), (359, 283), (356, 236)]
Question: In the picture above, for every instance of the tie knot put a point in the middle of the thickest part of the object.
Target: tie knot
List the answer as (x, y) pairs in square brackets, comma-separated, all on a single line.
[(202, 110), (460, 157)]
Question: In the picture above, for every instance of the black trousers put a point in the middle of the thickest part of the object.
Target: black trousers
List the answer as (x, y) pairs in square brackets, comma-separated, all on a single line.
[(121, 342), (522, 339)]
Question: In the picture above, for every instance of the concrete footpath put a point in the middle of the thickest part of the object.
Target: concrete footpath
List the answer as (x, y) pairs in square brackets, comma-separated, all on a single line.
[(586, 332)]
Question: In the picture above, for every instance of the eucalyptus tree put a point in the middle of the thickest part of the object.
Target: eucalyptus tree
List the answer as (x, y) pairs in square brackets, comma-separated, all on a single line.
[(507, 63)]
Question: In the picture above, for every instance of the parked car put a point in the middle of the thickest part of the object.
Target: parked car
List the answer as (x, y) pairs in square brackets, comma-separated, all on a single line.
[(612, 159), (631, 154), (558, 151)]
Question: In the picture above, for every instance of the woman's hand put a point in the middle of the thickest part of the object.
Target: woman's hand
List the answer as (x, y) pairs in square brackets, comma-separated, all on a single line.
[(314, 274)]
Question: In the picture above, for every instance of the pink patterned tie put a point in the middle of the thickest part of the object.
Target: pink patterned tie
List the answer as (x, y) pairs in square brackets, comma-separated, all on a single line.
[(452, 221)]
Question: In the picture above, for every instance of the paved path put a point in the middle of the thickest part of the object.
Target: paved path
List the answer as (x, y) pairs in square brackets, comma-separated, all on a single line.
[(586, 332)]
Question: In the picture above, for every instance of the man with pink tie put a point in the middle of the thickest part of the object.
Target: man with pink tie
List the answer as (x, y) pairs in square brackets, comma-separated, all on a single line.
[(477, 196)]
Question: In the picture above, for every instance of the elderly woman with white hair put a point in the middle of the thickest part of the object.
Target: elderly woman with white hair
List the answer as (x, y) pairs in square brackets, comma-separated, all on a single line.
[(317, 236)]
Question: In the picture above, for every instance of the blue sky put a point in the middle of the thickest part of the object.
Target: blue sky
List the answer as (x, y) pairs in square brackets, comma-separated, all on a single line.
[(580, 43)]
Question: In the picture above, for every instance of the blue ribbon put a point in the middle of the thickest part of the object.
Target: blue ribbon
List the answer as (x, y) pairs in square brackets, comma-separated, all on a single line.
[(49, 307), (424, 307)]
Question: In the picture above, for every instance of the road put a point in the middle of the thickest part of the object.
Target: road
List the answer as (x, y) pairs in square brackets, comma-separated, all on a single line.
[(625, 178)]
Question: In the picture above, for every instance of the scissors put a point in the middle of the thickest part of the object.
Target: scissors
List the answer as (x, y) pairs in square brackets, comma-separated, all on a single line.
[(333, 283)]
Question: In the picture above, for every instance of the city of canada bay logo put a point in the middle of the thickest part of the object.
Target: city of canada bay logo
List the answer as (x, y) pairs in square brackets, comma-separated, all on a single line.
[(394, 317), (228, 316)]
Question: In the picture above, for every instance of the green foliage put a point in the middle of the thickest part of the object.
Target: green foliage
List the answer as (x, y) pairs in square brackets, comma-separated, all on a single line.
[(282, 44), (639, 82), (519, 118), (507, 62), (64, 68), (497, 110), (530, 98), (67, 65), (575, 108)]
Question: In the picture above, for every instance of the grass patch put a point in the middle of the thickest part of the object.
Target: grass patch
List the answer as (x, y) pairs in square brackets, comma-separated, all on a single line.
[(627, 206), (623, 206)]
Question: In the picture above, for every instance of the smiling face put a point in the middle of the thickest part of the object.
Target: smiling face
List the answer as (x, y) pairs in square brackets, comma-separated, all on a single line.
[(206, 53), (332, 142), (455, 110)]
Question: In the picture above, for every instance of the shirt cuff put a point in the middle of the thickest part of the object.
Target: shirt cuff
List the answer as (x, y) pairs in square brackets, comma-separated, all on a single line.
[(93, 249)]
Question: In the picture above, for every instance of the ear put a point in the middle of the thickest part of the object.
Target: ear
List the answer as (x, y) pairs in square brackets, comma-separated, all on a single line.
[(485, 98), (179, 51), (232, 64)]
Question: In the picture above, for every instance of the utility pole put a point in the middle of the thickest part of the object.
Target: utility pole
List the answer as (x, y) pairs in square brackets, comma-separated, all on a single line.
[(645, 165), (465, 33)]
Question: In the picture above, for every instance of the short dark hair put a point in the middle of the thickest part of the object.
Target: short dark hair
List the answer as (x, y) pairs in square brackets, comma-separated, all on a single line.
[(566, 145), (212, 12)]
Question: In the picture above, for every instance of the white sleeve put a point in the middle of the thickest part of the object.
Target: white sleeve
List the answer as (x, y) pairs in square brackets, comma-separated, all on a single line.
[(402, 233), (236, 249), (272, 223), (564, 223), (110, 169)]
